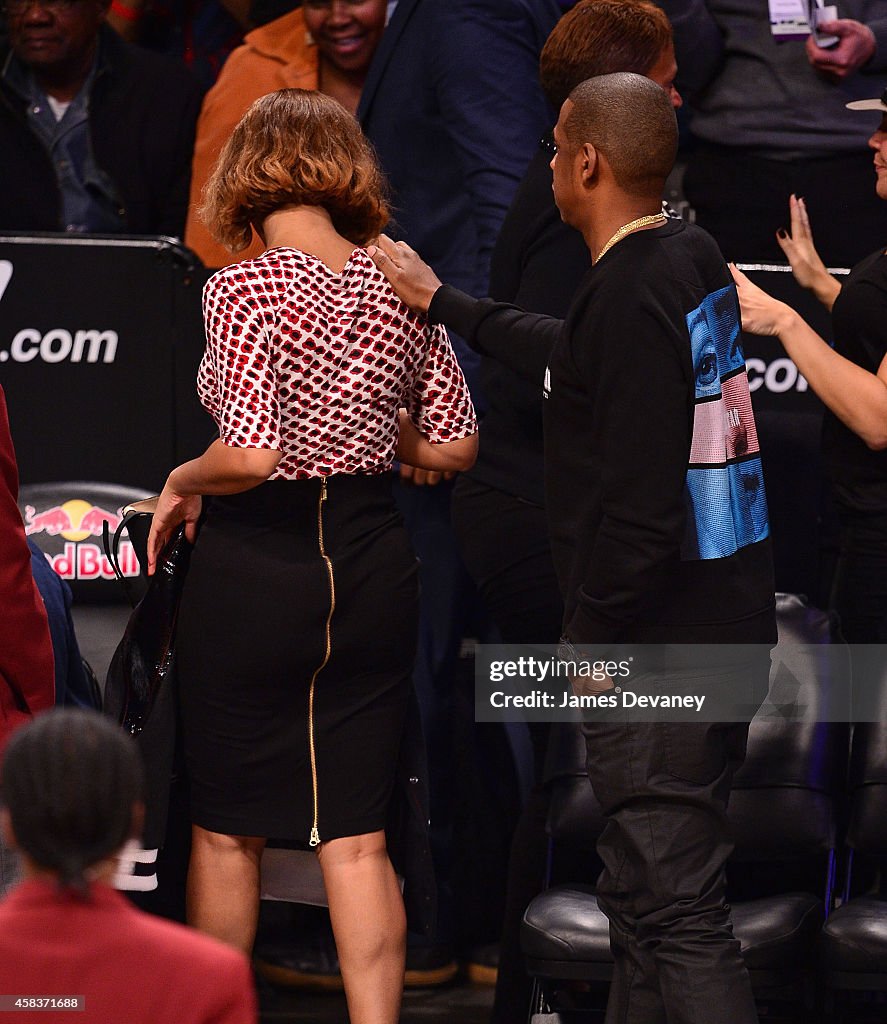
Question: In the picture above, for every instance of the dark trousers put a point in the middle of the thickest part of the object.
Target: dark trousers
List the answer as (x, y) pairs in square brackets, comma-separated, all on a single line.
[(859, 590), (664, 789), (742, 200), (446, 607), (504, 542)]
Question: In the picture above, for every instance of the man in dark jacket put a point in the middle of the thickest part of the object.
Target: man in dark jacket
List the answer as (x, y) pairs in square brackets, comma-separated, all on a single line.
[(659, 532), (96, 135)]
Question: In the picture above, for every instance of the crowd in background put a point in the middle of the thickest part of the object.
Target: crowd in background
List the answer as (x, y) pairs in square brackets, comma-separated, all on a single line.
[(111, 119)]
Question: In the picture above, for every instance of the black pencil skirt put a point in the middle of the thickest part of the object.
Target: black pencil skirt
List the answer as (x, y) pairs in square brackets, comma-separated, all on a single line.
[(295, 647)]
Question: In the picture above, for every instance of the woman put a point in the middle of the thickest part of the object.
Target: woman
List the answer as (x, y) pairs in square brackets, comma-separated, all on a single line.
[(851, 379), (72, 789), (297, 628), (324, 44)]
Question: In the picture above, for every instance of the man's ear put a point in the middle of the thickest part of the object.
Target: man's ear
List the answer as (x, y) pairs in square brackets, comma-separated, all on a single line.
[(588, 162), (6, 829)]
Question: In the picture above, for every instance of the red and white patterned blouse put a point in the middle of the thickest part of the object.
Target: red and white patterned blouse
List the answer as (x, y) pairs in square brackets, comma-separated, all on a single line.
[(316, 365)]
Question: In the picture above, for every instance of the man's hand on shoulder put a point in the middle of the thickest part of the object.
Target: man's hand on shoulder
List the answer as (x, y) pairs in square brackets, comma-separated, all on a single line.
[(413, 280), (855, 48)]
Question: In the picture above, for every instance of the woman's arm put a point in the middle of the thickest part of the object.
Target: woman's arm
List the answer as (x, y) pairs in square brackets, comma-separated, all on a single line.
[(221, 469), (857, 397), (809, 270), (448, 457)]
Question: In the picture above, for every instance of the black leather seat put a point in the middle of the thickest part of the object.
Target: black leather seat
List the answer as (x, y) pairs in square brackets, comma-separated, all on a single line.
[(854, 940), (569, 933), (565, 935), (854, 945), (783, 810)]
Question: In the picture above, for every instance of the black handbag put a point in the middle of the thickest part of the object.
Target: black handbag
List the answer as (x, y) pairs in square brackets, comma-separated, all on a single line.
[(140, 684)]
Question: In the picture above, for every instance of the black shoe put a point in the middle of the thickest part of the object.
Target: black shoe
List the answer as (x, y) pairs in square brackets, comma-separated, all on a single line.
[(429, 965), (482, 964), (310, 968)]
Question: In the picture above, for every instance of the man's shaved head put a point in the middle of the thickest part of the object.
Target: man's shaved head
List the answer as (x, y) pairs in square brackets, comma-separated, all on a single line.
[(631, 122)]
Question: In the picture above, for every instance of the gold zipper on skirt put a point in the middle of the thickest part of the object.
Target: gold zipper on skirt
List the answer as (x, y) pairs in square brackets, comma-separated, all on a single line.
[(315, 834)]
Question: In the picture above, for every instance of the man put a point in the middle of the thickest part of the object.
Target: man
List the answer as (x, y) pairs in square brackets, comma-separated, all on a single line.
[(658, 527), (768, 113), (453, 107), (27, 668), (96, 134), (498, 506)]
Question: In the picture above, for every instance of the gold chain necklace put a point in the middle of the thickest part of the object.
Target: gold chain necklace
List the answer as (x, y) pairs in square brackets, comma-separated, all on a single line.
[(632, 225)]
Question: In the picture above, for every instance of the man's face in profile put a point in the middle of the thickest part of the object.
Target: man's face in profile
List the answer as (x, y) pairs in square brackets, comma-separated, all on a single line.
[(563, 167), (663, 73), (53, 37), (563, 164)]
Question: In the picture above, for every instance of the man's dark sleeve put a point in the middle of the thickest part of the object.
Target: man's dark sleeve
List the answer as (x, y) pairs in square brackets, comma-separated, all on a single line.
[(643, 416), (521, 341), (875, 19), (486, 73)]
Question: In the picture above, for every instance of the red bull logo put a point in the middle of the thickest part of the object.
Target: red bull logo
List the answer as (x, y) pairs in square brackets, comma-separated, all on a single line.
[(75, 522)]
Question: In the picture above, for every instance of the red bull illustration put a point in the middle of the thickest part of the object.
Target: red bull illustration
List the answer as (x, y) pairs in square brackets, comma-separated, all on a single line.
[(75, 522), (53, 520)]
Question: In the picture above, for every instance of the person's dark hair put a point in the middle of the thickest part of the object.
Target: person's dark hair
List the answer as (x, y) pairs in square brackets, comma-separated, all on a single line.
[(599, 37), (295, 146), (69, 781), (631, 121)]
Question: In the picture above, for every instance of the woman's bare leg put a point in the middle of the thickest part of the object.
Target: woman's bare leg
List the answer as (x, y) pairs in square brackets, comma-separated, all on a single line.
[(369, 924), (223, 886)]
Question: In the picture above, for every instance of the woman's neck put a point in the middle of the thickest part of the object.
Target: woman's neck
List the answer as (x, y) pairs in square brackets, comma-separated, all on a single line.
[(310, 229)]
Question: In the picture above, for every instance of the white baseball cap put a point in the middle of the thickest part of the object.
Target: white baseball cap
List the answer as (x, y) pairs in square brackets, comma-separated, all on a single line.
[(877, 104)]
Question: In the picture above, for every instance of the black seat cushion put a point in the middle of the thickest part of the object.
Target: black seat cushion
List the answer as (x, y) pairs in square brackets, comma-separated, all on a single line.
[(777, 931), (565, 924), (855, 937)]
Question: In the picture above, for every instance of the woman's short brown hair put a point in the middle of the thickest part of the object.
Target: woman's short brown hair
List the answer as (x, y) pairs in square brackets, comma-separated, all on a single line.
[(295, 147), (601, 37)]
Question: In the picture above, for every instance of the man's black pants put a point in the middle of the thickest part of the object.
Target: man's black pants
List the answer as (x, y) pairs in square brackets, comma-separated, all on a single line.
[(664, 788)]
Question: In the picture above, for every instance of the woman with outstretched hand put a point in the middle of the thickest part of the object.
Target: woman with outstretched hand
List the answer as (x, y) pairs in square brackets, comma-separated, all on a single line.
[(851, 379)]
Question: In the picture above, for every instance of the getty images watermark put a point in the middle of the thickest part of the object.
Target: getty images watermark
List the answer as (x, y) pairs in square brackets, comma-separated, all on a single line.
[(681, 683)]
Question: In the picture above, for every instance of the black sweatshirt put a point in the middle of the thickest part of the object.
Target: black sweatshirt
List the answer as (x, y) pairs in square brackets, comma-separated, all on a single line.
[(858, 474), (653, 479), (538, 264)]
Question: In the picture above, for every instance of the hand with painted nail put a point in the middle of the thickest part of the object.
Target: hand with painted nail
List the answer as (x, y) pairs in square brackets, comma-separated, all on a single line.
[(809, 270)]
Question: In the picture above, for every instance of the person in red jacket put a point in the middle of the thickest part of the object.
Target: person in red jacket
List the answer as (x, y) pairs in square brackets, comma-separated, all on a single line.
[(27, 672), (71, 786)]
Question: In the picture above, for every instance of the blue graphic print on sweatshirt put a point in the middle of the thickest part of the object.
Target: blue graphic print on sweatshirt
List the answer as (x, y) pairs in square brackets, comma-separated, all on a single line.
[(726, 503)]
